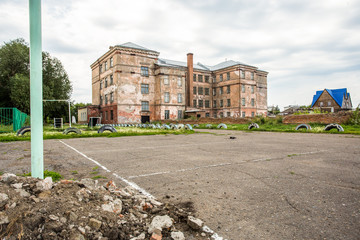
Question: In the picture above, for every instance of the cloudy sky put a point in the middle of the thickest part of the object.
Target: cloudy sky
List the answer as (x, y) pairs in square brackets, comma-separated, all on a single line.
[(305, 45)]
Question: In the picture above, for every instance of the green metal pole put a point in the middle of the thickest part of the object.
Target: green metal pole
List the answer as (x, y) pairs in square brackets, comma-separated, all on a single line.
[(36, 108)]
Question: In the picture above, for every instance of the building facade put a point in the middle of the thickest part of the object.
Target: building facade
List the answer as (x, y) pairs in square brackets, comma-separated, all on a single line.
[(131, 84), (332, 100)]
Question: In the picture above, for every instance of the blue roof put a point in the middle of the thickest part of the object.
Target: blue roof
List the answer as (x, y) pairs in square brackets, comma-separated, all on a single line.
[(336, 94)]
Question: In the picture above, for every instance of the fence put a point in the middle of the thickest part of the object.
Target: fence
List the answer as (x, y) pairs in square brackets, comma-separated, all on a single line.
[(11, 119)]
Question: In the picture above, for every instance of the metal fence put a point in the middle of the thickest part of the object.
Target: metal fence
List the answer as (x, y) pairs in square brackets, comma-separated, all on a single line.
[(11, 119)]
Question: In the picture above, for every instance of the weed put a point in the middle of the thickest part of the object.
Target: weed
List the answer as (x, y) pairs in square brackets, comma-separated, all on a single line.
[(1, 173), (98, 177), (95, 168), (4, 153), (54, 175), (292, 155), (74, 172), (292, 173), (20, 158), (268, 160), (94, 172)]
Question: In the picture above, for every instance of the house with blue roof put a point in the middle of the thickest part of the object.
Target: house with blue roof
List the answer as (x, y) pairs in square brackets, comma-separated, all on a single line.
[(332, 99)]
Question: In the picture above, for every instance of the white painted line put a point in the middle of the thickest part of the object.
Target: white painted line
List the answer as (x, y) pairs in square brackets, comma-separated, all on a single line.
[(214, 236)]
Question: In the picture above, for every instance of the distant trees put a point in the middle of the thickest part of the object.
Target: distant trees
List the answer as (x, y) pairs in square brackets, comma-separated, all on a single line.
[(274, 110), (15, 80), (75, 107)]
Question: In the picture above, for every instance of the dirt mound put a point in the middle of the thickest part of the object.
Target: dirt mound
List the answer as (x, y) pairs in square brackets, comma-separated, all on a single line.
[(40, 209)]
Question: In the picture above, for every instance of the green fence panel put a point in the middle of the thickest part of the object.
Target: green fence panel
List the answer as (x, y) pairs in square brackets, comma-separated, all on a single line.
[(11, 119)]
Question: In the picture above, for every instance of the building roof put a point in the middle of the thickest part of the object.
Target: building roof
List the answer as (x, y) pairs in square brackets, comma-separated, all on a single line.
[(336, 94), (200, 66), (134, 46)]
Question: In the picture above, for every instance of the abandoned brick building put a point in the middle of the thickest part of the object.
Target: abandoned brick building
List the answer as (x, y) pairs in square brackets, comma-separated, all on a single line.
[(131, 84)]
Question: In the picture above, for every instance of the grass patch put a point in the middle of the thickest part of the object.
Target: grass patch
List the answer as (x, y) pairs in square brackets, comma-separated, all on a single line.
[(292, 155), (292, 173), (95, 172), (54, 175), (95, 168), (98, 177), (74, 172)]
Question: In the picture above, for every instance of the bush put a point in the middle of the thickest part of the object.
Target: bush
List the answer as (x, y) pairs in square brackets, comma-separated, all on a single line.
[(54, 175), (355, 117)]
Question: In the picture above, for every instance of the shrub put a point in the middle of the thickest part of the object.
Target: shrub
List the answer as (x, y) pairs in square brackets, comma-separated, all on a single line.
[(355, 117)]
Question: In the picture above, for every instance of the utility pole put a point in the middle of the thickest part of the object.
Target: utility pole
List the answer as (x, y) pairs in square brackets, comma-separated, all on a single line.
[(36, 106)]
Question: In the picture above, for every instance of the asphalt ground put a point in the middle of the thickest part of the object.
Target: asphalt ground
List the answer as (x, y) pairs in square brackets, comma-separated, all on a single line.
[(259, 185)]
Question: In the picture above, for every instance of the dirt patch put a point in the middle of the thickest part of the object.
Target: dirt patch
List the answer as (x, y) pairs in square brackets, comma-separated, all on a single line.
[(40, 209)]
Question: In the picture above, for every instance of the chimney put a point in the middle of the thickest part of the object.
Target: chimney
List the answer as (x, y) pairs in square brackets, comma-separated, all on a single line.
[(190, 80)]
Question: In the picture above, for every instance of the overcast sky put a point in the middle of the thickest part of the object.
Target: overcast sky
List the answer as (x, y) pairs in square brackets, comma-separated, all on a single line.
[(305, 45)]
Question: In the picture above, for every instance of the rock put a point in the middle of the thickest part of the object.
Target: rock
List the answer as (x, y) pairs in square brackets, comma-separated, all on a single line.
[(82, 194), (95, 224), (43, 210), (76, 236), (160, 222), (177, 236), (3, 199), (108, 198), (44, 195), (3, 218), (115, 206), (45, 184), (53, 217), (195, 223), (63, 220), (89, 183), (73, 217), (156, 235), (22, 193), (16, 185), (81, 229), (13, 205), (8, 178), (140, 237)]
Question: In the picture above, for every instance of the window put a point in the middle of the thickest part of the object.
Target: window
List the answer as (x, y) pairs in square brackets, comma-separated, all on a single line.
[(228, 76), (228, 102), (321, 104), (144, 88), (106, 99), (200, 91), (180, 114), (207, 103), (144, 106), (242, 72), (329, 103), (166, 80), (106, 115), (106, 66), (194, 90), (101, 100), (207, 91), (214, 115), (200, 78), (227, 89), (228, 114), (252, 114), (179, 82), (111, 80), (167, 97), (144, 71), (201, 103), (221, 114), (243, 88), (221, 78), (252, 102), (214, 91), (214, 79), (252, 76), (207, 115), (111, 114), (106, 82), (243, 114), (243, 101), (194, 103), (100, 68), (214, 104), (221, 103), (221, 90), (111, 97), (101, 84), (179, 98), (167, 114), (111, 64), (194, 76), (207, 79), (252, 89)]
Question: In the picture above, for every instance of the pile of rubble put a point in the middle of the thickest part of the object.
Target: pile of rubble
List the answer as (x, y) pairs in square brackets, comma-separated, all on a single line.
[(31, 208)]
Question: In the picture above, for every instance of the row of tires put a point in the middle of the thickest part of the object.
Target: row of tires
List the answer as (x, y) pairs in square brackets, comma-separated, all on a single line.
[(111, 128)]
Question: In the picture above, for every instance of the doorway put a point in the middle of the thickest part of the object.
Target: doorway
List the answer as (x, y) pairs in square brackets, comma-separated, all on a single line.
[(145, 119)]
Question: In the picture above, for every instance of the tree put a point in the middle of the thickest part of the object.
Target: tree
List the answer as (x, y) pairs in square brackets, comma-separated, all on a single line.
[(15, 80)]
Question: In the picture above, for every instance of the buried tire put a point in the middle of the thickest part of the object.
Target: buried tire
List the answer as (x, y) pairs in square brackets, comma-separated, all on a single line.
[(107, 128), (300, 126), (72, 130), (23, 130), (253, 125), (334, 126), (188, 127), (222, 125)]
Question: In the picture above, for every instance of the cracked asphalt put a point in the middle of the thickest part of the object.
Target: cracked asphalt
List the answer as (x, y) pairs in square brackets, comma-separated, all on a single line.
[(260, 185)]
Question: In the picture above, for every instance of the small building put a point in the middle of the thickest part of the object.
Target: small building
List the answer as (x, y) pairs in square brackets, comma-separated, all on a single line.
[(82, 115), (332, 100)]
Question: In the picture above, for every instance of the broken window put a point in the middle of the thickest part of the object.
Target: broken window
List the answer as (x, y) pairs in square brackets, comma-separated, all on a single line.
[(207, 91), (106, 83), (207, 79), (214, 91), (228, 102), (207, 115), (228, 76), (252, 114), (207, 103), (243, 114), (201, 103), (106, 66), (111, 97), (167, 114), (101, 100), (200, 78), (221, 90), (252, 102), (252, 76), (179, 98), (228, 89), (243, 101), (180, 114), (166, 80), (228, 114), (194, 103), (221, 103), (101, 84), (200, 91), (145, 71), (111, 64), (214, 104), (194, 77), (144, 106), (194, 90), (221, 114), (252, 89), (111, 114), (106, 99), (111, 80), (242, 88), (179, 81), (167, 97), (221, 78), (242, 74), (100, 68)]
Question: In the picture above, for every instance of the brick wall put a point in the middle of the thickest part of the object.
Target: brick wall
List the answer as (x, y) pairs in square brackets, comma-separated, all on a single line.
[(340, 117)]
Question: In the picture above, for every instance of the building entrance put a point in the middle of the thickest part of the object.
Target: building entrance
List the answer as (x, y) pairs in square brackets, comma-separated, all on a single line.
[(145, 119)]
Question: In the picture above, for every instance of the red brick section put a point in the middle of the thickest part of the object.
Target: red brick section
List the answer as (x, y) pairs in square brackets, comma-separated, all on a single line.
[(340, 118), (156, 236)]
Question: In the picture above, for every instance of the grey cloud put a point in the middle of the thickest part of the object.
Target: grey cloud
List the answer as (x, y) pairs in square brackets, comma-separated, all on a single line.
[(59, 46)]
